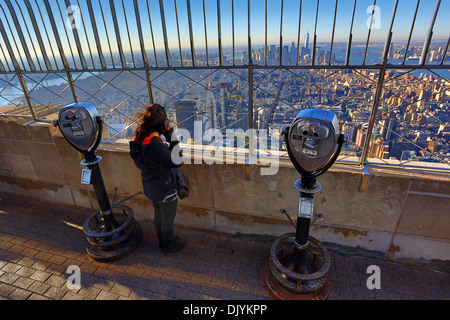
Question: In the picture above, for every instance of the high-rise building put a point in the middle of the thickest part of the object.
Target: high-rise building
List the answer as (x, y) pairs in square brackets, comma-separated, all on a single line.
[(361, 136), (388, 126), (317, 58), (398, 146), (208, 108), (285, 56), (378, 149), (262, 118), (349, 129), (186, 114), (424, 96), (306, 42), (223, 104), (293, 52)]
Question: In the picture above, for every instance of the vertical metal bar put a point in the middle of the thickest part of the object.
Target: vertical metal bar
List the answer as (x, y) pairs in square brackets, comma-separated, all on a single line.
[(29, 35), (72, 87), (60, 48), (77, 40), (426, 44), (411, 32), (206, 34), (389, 36), (26, 93), (106, 32), (250, 82), (151, 32), (378, 92), (149, 86), (38, 34), (445, 51), (373, 115), (250, 96), (2, 67), (16, 67), (96, 37), (128, 34), (85, 33), (141, 37), (232, 30), (315, 35), (370, 30), (116, 28), (67, 35), (265, 35), (8, 47), (281, 34), (350, 36), (332, 35), (21, 37), (46, 33), (56, 34), (6, 60), (163, 24), (251, 137), (191, 33), (178, 32), (13, 38), (250, 60), (219, 34), (299, 27)]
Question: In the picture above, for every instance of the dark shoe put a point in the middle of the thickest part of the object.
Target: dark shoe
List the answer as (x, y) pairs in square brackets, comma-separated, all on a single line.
[(161, 243), (173, 247)]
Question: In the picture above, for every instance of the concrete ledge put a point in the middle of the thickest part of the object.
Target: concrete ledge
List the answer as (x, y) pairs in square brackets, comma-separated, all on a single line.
[(402, 216), (420, 252), (57, 193)]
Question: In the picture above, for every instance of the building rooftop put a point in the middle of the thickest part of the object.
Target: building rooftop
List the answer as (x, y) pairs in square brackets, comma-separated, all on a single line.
[(40, 240)]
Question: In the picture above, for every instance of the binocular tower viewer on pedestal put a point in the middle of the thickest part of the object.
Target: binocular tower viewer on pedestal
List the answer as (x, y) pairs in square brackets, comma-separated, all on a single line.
[(111, 235), (298, 265)]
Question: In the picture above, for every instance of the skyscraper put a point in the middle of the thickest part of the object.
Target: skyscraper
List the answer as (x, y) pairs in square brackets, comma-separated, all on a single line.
[(185, 112), (223, 104), (262, 118), (388, 126), (306, 42)]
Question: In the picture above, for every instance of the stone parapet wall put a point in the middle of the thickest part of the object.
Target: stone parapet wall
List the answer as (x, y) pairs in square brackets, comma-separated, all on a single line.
[(402, 216)]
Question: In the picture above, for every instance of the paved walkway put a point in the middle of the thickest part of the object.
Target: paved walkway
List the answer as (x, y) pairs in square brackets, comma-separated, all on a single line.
[(39, 241)]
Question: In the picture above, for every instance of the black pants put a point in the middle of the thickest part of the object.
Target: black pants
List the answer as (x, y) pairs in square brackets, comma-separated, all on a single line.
[(164, 217)]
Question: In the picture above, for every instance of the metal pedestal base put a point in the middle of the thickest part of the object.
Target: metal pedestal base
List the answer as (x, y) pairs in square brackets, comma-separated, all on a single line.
[(285, 284), (108, 246)]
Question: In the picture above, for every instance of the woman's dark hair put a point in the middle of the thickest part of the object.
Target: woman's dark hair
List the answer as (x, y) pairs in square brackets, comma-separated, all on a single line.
[(152, 119)]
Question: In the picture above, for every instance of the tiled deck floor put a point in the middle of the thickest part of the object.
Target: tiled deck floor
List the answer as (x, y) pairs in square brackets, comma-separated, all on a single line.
[(39, 240)]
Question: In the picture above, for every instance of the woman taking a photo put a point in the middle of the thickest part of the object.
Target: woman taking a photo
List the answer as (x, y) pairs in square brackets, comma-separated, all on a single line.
[(153, 157)]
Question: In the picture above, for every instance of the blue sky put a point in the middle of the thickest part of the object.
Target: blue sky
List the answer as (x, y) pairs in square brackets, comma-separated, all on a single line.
[(404, 18), (290, 14)]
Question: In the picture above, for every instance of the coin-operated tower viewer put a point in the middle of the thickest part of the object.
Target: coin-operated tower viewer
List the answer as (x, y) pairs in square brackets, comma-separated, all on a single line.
[(298, 265), (111, 236)]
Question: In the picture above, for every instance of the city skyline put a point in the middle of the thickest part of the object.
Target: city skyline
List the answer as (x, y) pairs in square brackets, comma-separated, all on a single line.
[(415, 108), (412, 118), (178, 33)]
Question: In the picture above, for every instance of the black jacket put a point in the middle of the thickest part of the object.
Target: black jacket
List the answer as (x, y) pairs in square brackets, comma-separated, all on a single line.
[(154, 158)]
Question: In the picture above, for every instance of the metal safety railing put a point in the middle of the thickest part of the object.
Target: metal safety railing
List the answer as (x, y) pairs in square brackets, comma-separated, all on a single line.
[(124, 54)]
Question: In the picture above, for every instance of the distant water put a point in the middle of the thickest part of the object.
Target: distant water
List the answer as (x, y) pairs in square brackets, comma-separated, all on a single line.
[(13, 91), (374, 57)]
